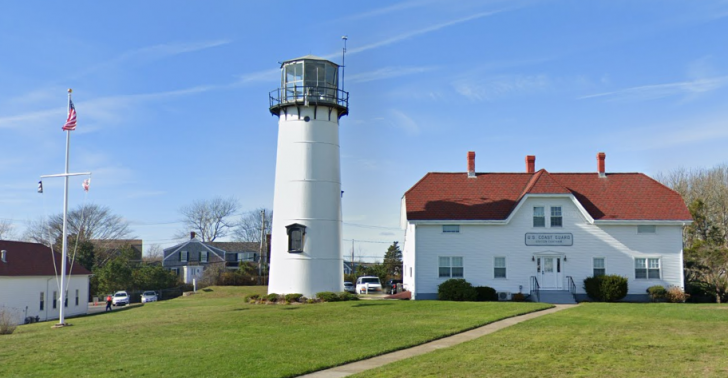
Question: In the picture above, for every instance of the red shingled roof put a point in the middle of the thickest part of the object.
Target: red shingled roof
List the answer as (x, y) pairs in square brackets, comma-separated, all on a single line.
[(493, 196), (33, 259)]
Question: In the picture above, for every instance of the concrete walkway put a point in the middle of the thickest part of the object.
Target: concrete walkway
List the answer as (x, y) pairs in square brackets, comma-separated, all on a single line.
[(374, 362)]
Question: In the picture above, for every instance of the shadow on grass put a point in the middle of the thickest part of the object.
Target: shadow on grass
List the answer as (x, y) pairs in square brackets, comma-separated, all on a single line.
[(290, 308), (240, 309), (372, 304), (207, 290)]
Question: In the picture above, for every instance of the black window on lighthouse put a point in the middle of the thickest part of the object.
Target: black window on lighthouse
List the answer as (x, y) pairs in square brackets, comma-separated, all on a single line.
[(295, 233)]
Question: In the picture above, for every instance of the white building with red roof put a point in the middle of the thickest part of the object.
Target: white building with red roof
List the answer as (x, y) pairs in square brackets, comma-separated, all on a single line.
[(542, 233), (29, 279)]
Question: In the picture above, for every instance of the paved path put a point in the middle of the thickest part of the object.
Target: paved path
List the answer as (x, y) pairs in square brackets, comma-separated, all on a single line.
[(360, 366)]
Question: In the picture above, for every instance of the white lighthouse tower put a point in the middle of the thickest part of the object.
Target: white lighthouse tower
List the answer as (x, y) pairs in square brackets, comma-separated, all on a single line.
[(306, 235)]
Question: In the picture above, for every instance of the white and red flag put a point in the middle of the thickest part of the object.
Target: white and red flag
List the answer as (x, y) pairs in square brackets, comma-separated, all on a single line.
[(86, 184), (71, 121)]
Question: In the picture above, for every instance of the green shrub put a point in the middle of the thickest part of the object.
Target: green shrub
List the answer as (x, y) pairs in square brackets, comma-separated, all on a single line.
[(252, 297), (609, 288), (518, 297), (293, 297), (486, 294), (656, 292), (676, 295), (346, 296), (272, 297), (456, 289), (328, 296)]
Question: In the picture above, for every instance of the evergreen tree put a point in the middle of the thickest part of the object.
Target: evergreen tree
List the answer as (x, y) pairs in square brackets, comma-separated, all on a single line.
[(393, 260)]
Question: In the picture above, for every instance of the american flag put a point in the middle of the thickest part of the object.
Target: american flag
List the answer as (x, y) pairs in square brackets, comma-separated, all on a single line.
[(71, 121)]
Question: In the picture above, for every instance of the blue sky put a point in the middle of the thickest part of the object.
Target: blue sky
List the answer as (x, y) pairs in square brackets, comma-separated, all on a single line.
[(172, 98)]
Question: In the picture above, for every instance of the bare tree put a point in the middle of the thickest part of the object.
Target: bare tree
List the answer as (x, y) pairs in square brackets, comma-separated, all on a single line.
[(89, 222), (209, 219), (154, 253), (249, 225), (6, 230)]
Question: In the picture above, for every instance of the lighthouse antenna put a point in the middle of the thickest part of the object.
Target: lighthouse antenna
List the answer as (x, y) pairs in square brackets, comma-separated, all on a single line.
[(343, 60)]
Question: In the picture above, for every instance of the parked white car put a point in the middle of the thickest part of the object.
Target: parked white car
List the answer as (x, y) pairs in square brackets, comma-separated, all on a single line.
[(349, 287), (120, 298), (368, 284), (149, 296)]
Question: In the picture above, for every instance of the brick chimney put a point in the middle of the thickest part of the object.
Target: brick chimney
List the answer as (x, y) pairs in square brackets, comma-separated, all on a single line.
[(471, 164), (530, 163), (600, 164), (192, 234)]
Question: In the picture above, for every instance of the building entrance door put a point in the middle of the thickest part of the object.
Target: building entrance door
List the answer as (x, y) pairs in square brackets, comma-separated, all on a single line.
[(550, 273)]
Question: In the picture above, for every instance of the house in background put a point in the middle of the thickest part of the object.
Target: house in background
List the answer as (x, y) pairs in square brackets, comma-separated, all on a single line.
[(541, 233), (29, 279), (238, 252), (189, 259)]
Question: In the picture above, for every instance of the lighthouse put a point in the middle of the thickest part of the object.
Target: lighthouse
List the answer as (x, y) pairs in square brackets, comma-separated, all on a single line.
[(306, 234)]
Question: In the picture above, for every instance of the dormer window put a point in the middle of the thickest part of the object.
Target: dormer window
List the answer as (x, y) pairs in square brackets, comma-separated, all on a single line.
[(295, 233)]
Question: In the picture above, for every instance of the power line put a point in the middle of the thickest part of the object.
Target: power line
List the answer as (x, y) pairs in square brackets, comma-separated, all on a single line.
[(370, 226)]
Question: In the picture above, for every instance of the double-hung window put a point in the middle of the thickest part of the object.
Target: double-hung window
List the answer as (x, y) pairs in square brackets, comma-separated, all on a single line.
[(42, 300), (183, 256), (203, 256), (599, 269), (77, 297), (647, 268), (556, 218), (451, 267), (499, 267), (539, 218), (55, 299)]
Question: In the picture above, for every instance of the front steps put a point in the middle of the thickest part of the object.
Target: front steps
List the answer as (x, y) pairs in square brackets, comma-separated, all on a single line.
[(555, 297)]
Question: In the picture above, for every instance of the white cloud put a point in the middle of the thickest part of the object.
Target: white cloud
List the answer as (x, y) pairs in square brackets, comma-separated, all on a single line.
[(656, 91), (386, 73), (496, 87), (415, 33), (404, 122)]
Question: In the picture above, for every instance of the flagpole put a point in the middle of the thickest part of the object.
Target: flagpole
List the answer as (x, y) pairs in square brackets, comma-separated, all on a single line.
[(61, 316)]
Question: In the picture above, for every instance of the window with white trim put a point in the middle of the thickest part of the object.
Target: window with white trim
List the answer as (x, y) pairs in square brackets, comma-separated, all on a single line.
[(42, 300), (539, 218), (647, 268), (65, 300), (203, 256), (645, 229), (77, 297), (556, 219), (183, 256), (599, 268), (499, 267), (451, 266), (55, 299), (451, 228)]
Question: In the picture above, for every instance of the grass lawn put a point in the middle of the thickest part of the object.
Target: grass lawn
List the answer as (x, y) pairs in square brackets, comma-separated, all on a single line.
[(592, 340), (214, 334)]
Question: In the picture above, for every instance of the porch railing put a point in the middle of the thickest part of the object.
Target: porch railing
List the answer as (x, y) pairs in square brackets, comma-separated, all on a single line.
[(535, 289), (571, 284)]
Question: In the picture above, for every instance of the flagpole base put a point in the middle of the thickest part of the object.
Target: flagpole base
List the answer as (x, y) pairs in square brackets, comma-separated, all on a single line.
[(61, 325)]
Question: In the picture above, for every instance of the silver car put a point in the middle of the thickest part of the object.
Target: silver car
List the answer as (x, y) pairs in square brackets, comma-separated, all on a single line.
[(348, 286), (149, 296)]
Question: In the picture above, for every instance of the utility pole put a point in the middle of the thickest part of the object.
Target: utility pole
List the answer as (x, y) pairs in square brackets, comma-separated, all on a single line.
[(353, 269)]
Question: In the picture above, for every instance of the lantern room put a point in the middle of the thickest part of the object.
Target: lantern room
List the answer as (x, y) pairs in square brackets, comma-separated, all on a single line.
[(309, 81)]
